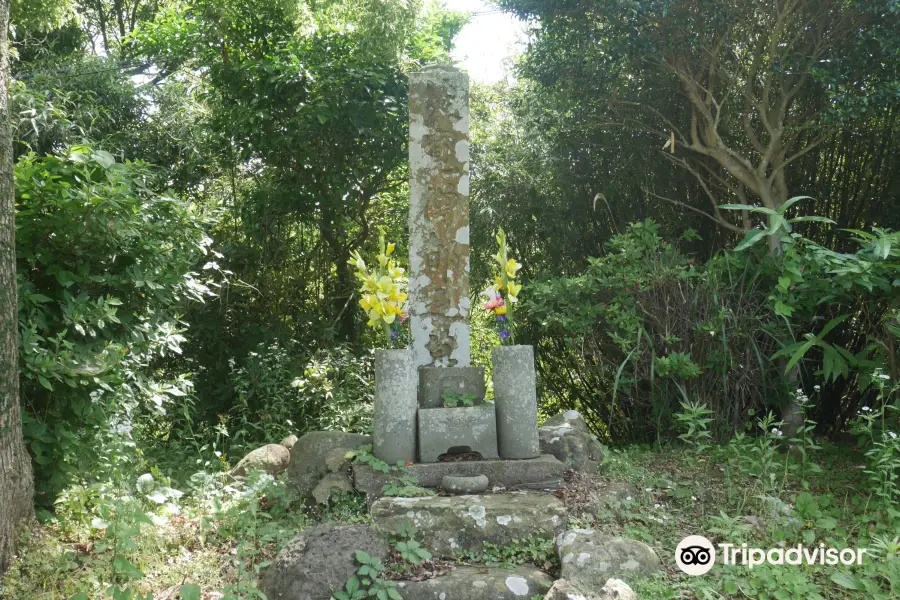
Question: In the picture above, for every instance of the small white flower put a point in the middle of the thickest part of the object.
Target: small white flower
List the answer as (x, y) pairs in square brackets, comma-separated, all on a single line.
[(866, 409), (884, 376), (648, 490), (817, 387), (712, 333), (694, 498), (657, 505), (893, 435)]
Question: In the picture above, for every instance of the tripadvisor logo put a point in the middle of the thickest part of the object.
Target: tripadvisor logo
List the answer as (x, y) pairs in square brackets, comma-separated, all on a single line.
[(696, 555)]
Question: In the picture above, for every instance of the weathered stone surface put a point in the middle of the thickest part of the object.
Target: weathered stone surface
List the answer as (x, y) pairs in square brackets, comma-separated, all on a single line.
[(542, 473), (336, 460), (609, 500), (613, 589), (319, 560), (479, 583), (271, 458), (443, 428), (289, 441), (439, 216), (307, 464), (331, 484), (515, 397), (434, 382), (394, 420), (566, 436), (447, 524), (589, 558), (456, 484)]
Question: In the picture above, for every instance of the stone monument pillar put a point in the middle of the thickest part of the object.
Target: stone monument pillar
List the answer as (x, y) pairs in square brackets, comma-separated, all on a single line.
[(439, 216)]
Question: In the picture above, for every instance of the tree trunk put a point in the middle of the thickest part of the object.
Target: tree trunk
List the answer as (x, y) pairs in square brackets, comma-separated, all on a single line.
[(16, 482)]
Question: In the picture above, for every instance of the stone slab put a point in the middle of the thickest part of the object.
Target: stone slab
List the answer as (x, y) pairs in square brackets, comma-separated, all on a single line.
[(453, 523), (542, 473), (434, 382), (441, 429), (479, 583), (589, 558)]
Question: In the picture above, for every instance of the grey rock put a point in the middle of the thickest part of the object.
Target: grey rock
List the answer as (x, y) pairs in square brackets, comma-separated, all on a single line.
[(271, 458), (479, 583), (448, 524), (613, 589), (542, 473), (456, 484), (320, 560), (330, 485), (336, 460), (434, 382), (589, 558), (609, 500), (307, 463), (441, 429), (515, 397), (289, 441), (394, 417), (567, 437)]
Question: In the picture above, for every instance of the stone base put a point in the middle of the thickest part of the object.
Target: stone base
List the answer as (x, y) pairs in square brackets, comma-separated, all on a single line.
[(479, 583), (441, 429), (543, 473), (448, 524), (434, 382)]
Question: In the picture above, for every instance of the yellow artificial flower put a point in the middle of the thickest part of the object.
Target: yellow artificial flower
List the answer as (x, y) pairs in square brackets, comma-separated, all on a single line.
[(498, 281), (500, 310), (385, 284), (396, 272), (367, 302), (514, 289), (499, 258), (357, 261), (382, 260), (390, 248), (512, 267)]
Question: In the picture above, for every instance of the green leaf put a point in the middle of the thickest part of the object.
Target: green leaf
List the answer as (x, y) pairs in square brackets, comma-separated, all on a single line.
[(748, 207), (79, 596), (792, 201), (826, 523), (190, 591), (364, 558), (811, 219), (45, 382), (753, 236), (352, 584), (845, 580)]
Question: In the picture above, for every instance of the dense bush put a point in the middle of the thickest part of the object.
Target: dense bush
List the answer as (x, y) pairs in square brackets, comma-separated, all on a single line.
[(104, 264), (644, 330)]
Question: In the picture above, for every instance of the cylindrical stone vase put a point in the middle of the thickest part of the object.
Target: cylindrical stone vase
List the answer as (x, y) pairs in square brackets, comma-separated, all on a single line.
[(394, 421), (515, 401)]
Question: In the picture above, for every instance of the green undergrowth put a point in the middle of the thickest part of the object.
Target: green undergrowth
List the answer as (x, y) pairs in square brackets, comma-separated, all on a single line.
[(683, 492)]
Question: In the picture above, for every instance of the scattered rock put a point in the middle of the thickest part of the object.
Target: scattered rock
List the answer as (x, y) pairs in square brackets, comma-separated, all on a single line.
[(336, 461), (307, 464), (456, 484), (479, 583), (320, 560), (613, 589), (330, 485), (609, 499), (451, 523), (567, 437), (289, 441), (589, 558), (271, 458)]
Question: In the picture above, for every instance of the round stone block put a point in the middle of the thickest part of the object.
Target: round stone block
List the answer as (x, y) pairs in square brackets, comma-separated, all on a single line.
[(457, 484), (394, 419), (515, 399)]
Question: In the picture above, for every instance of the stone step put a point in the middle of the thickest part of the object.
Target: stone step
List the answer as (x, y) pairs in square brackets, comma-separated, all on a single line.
[(542, 473), (449, 524), (479, 583), (589, 558)]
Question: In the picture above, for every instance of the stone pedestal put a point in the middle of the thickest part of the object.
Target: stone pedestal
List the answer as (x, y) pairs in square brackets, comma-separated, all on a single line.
[(515, 398), (394, 427), (441, 429), (434, 382)]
